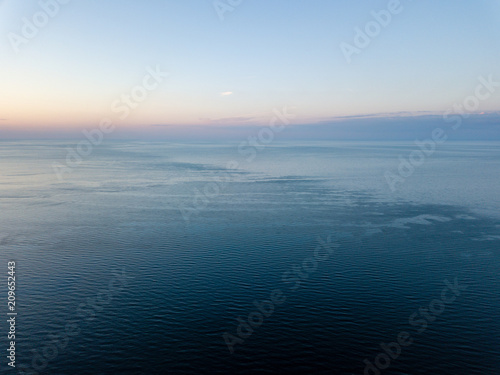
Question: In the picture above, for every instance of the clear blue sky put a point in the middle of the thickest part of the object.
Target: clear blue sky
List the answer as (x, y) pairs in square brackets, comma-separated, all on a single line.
[(265, 54)]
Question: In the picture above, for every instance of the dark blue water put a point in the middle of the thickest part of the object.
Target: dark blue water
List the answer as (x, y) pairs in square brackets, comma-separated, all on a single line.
[(112, 278)]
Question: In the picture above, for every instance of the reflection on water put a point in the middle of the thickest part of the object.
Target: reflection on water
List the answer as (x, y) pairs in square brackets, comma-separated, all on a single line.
[(191, 280)]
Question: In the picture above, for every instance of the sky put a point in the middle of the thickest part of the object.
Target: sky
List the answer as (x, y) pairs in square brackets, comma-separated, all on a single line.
[(210, 67)]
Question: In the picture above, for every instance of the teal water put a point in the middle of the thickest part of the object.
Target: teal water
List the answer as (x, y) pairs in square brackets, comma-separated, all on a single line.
[(191, 245)]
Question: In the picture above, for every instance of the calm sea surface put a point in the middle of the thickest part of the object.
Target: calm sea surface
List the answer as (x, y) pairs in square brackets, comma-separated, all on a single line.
[(151, 258)]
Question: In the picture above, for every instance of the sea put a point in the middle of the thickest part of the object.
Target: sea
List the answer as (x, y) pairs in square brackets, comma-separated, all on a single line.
[(142, 257)]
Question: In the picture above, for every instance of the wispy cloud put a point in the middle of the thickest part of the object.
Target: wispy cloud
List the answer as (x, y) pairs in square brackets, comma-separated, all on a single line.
[(237, 120), (383, 115), (248, 119), (226, 93)]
